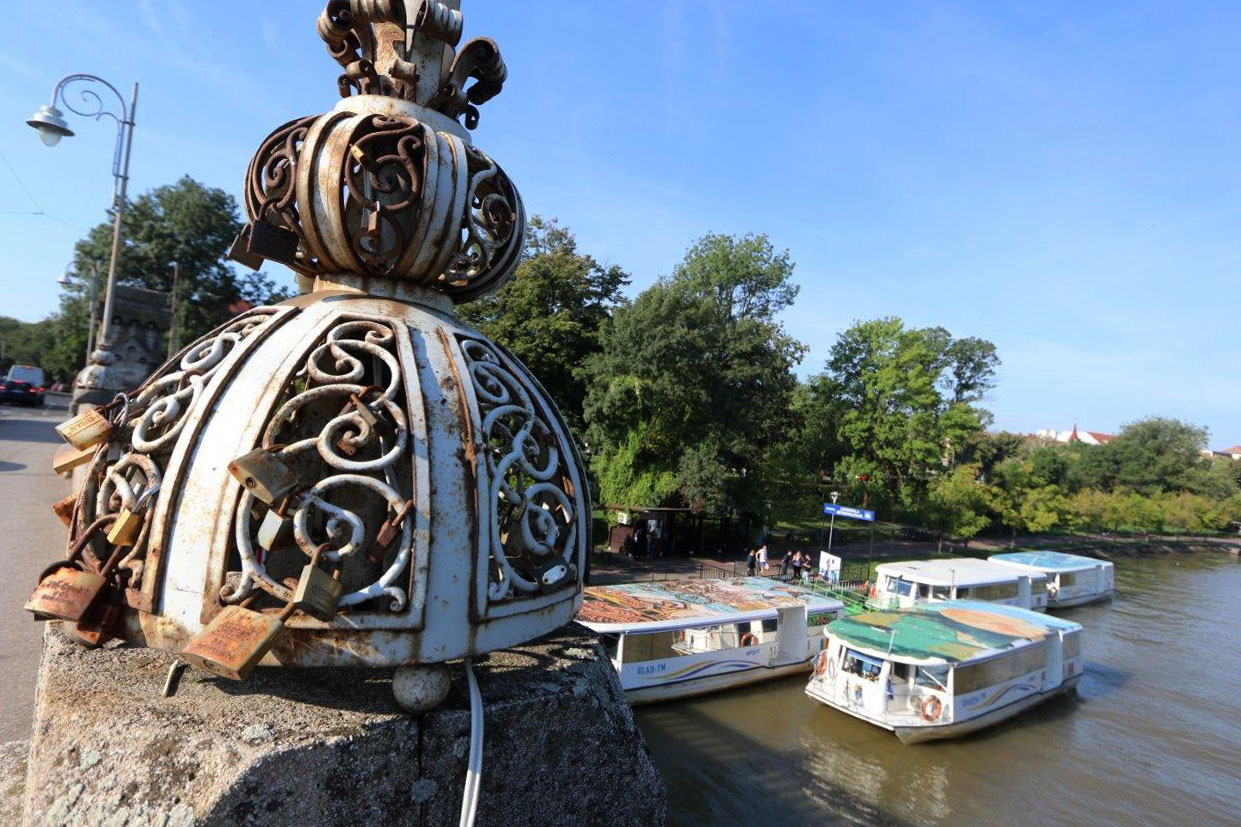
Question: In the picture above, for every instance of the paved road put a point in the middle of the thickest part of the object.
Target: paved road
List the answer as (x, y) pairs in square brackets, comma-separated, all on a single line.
[(32, 537)]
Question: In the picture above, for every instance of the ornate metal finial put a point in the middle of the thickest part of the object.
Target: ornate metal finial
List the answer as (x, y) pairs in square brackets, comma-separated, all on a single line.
[(387, 189), (385, 52)]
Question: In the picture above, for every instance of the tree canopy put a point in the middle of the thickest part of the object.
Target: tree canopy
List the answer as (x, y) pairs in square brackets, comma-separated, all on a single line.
[(550, 314)]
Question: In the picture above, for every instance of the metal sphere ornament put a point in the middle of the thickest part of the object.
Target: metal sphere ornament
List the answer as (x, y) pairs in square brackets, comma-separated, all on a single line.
[(353, 477)]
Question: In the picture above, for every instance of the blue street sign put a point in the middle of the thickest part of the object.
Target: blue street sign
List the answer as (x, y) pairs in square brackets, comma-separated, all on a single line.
[(849, 511)]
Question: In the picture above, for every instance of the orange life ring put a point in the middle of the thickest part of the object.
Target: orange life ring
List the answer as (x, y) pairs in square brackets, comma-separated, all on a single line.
[(873, 591), (748, 639), (931, 708), (820, 664)]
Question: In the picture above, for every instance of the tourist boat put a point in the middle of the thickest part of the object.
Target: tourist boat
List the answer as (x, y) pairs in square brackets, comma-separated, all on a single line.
[(902, 585), (1071, 579), (941, 670), (678, 638)]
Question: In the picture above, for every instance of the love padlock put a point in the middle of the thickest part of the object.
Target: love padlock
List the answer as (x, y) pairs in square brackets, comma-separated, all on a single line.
[(66, 590), (128, 525), (265, 474)]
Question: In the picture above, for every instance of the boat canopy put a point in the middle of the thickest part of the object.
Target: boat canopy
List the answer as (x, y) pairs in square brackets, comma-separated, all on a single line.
[(958, 571), (1049, 561), (681, 604), (954, 631)]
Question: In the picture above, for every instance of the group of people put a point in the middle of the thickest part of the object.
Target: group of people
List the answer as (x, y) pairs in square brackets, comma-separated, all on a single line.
[(800, 563)]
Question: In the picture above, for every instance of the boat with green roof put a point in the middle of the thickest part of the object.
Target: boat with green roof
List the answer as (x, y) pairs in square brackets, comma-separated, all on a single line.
[(942, 670)]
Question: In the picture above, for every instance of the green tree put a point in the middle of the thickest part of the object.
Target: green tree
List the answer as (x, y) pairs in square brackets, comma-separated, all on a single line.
[(959, 504), (549, 315), (1158, 454), (695, 379), (185, 222)]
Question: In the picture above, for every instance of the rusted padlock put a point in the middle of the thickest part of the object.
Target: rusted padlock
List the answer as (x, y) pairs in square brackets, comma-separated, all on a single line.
[(271, 241), (87, 429), (67, 458), (64, 508), (236, 640), (240, 250), (66, 591), (387, 534), (318, 593), (99, 624), (554, 574), (128, 525), (265, 475)]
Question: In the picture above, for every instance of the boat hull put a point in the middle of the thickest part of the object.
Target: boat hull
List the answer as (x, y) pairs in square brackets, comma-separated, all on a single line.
[(957, 729), (1080, 600), (691, 687)]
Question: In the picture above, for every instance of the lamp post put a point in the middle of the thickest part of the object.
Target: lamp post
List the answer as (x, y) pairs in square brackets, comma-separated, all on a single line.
[(832, 528), (67, 280), (51, 125)]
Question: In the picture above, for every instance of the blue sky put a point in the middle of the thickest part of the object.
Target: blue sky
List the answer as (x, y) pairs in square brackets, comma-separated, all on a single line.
[(1063, 179)]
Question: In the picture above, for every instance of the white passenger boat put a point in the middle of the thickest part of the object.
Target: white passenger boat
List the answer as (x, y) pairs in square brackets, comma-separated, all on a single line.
[(902, 585), (1071, 579), (678, 638), (941, 670)]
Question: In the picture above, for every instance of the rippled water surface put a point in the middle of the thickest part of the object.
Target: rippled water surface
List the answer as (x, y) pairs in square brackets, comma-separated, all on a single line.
[(1153, 735)]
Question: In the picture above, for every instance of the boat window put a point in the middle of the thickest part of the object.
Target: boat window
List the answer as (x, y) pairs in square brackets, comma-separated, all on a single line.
[(820, 618), (995, 591), (924, 591), (1068, 578), (901, 671), (771, 624), (977, 676), (941, 592), (962, 592), (653, 646), (1072, 645), (899, 586), (932, 677), (864, 666), (609, 644)]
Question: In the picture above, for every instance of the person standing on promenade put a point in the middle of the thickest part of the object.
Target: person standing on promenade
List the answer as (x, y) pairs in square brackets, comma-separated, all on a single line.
[(785, 563), (797, 563), (762, 558), (751, 560)]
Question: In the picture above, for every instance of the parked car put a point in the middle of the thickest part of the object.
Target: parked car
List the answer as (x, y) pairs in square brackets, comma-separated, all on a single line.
[(17, 392)]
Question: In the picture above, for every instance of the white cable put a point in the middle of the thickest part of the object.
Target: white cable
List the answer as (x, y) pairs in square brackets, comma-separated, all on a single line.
[(474, 769)]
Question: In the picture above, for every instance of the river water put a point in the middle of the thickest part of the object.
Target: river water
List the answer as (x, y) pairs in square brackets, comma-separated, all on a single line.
[(1152, 737)]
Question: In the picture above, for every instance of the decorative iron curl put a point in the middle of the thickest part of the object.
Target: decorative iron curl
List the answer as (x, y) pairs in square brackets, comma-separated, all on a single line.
[(494, 228), (534, 524)]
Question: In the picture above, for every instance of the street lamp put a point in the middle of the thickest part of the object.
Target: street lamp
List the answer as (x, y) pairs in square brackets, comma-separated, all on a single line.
[(66, 280), (52, 126), (832, 528)]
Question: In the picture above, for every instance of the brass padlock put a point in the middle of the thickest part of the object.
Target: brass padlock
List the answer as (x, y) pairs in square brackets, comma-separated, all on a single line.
[(128, 525), (271, 241), (317, 593), (264, 474), (387, 534), (240, 250), (276, 527), (64, 508), (67, 458), (86, 429), (235, 641)]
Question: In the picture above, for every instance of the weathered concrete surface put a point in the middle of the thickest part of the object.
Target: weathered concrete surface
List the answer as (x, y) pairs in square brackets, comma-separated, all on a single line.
[(12, 780), (329, 747)]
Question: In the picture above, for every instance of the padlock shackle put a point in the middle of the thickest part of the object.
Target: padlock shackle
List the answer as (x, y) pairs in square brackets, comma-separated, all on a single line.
[(79, 544), (145, 497)]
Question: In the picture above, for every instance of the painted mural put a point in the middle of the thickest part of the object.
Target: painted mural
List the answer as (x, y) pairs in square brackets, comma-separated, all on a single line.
[(672, 600)]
